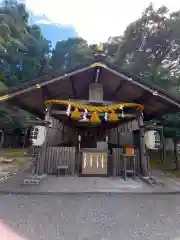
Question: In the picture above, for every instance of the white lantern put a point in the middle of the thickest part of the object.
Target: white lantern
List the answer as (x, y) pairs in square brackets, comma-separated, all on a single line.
[(152, 139), (38, 135)]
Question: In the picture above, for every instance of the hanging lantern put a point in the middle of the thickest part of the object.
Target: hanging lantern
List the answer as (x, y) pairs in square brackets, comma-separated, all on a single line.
[(152, 139), (38, 135), (113, 117), (76, 115), (95, 118)]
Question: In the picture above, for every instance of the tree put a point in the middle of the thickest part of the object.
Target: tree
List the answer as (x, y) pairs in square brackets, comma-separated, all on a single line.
[(24, 55), (70, 53), (151, 45)]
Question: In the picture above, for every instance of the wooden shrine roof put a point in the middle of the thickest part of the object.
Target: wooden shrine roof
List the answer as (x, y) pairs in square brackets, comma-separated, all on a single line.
[(118, 86)]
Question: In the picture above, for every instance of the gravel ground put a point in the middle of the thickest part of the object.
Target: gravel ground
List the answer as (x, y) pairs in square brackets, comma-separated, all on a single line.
[(94, 216)]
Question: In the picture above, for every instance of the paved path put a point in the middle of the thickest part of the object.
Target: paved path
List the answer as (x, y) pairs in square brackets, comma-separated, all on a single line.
[(56, 185), (53, 184), (93, 217)]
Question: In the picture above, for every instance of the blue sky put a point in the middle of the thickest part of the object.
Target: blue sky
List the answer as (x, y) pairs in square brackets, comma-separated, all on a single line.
[(96, 20)]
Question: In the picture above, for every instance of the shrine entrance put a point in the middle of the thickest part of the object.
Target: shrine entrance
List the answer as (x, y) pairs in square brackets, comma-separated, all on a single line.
[(91, 115)]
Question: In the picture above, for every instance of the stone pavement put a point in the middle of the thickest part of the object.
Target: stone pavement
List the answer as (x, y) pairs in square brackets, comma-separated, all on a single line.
[(92, 216), (55, 185), (171, 184)]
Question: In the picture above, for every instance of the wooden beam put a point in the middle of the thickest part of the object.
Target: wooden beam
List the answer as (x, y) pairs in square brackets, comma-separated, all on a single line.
[(144, 98), (153, 127), (20, 104), (157, 114), (143, 157), (27, 88), (38, 122), (46, 93), (152, 89), (118, 88), (93, 102), (100, 114), (73, 86)]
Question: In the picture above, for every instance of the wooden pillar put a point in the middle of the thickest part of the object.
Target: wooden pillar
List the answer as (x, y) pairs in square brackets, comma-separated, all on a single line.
[(163, 150), (143, 157), (43, 152), (25, 137), (177, 155)]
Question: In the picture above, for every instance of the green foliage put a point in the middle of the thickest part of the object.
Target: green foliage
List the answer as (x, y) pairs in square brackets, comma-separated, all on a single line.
[(70, 53), (149, 47), (24, 55)]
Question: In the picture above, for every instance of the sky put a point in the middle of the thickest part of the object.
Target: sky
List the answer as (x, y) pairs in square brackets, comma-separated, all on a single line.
[(96, 20)]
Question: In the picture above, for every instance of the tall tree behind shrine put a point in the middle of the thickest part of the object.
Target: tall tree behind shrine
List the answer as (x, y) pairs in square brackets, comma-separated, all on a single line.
[(149, 47), (24, 55)]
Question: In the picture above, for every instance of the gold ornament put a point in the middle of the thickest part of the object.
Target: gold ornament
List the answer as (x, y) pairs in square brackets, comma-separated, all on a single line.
[(95, 118), (76, 115), (113, 117)]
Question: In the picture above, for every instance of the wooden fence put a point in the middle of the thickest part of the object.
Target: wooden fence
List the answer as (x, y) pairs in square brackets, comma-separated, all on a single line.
[(118, 161), (58, 156)]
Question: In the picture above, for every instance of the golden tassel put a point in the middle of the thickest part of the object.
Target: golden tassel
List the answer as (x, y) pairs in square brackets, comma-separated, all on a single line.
[(113, 117), (76, 115), (95, 118)]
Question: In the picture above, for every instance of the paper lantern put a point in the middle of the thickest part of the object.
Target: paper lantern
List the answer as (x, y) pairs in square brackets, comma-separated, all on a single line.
[(152, 139), (38, 135)]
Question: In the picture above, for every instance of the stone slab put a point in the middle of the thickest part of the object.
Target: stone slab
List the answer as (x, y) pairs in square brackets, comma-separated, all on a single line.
[(53, 184)]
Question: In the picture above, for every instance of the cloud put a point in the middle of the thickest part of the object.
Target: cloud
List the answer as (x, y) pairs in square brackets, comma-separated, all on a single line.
[(44, 22), (96, 20)]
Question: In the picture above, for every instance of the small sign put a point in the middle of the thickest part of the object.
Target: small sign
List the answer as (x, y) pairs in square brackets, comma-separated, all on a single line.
[(130, 126), (129, 151)]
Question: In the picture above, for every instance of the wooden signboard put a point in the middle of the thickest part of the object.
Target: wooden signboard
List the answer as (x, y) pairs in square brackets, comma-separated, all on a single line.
[(94, 163), (130, 126)]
